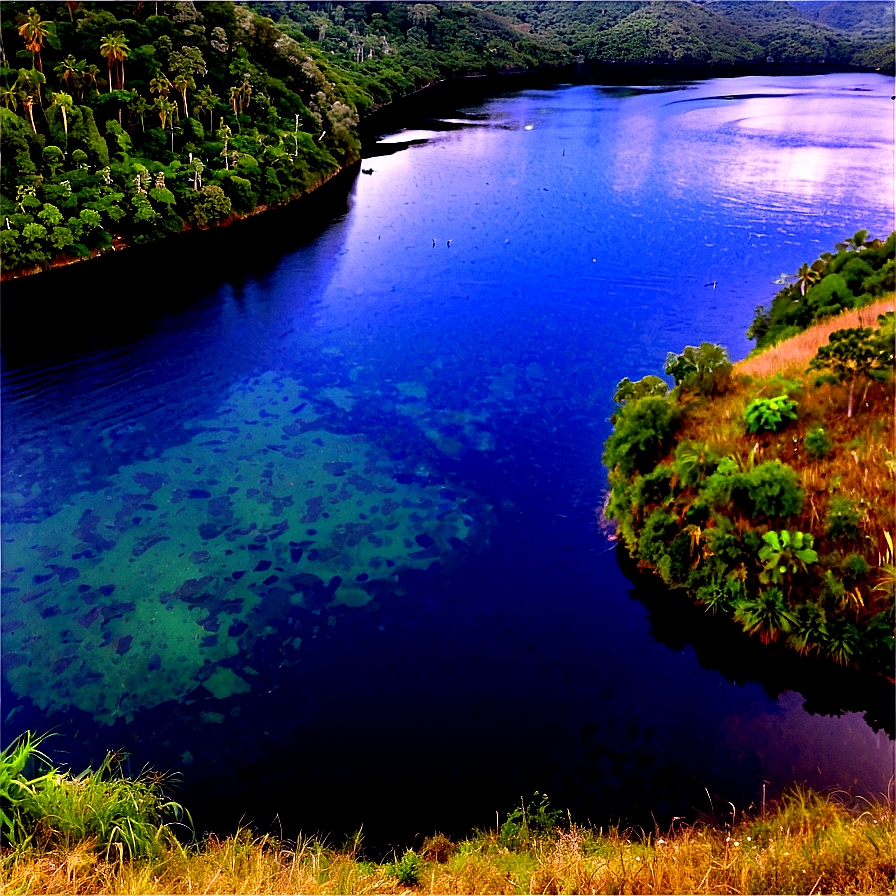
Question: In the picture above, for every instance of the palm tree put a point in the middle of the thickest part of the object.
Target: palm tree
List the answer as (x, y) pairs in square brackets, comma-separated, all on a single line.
[(857, 241), (140, 107), (225, 134), (165, 109), (115, 48), (65, 103), (182, 83), (90, 73), (765, 615), (10, 96), (29, 83), (69, 72), (807, 276), (206, 101), (33, 31), (160, 85)]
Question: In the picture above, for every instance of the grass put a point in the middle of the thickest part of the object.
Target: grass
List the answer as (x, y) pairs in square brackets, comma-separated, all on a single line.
[(794, 354), (859, 466), (806, 843)]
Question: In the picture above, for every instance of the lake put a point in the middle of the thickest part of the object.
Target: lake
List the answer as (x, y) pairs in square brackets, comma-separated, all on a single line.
[(309, 509)]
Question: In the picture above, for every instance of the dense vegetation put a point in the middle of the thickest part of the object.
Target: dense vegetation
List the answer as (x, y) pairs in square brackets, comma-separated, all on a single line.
[(768, 498), (101, 832), (123, 123), (716, 31)]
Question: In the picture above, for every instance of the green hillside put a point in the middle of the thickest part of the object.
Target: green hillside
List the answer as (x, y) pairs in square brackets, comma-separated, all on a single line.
[(715, 31)]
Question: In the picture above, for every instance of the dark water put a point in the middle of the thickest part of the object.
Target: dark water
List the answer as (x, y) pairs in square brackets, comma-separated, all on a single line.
[(307, 509)]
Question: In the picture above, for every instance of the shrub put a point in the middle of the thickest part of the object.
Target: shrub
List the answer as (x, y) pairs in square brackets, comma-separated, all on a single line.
[(817, 443), (527, 823), (785, 553), (406, 870), (628, 391), (654, 488), (765, 615), (693, 462), (773, 490), (808, 628), (642, 428), (842, 519), (722, 595), (659, 530), (769, 414), (854, 566), (706, 369)]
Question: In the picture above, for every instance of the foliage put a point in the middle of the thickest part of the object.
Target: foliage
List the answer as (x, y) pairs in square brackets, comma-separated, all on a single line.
[(628, 391), (752, 528), (18, 788), (817, 443), (766, 614), (642, 428), (852, 354), (784, 554), (120, 818), (529, 824), (860, 272), (769, 414), (706, 369), (842, 519), (406, 870)]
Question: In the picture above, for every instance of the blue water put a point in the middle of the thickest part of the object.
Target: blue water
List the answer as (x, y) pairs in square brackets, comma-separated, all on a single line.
[(308, 509)]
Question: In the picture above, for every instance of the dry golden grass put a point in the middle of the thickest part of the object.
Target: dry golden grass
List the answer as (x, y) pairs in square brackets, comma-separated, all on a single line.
[(798, 351), (859, 467), (807, 844)]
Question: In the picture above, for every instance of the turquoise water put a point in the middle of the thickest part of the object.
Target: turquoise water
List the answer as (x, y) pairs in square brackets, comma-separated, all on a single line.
[(310, 511)]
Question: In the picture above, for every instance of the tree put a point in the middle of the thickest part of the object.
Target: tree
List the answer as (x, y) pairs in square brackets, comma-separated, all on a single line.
[(707, 368), (183, 82), (160, 85), (65, 104), (165, 109), (29, 83), (857, 241), (849, 355), (627, 391), (33, 31), (54, 158), (71, 73), (140, 107), (807, 276), (10, 96), (224, 133), (115, 48), (206, 101)]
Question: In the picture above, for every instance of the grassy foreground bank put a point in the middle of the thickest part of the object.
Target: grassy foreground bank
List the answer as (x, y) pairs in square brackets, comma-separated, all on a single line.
[(103, 832), (807, 843)]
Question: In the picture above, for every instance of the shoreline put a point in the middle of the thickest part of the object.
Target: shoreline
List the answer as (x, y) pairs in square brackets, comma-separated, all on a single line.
[(455, 89)]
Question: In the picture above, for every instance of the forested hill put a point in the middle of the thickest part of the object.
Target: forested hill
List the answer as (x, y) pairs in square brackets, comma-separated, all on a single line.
[(123, 123), (714, 31)]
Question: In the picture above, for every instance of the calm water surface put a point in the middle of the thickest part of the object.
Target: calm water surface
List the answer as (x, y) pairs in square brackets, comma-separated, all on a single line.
[(311, 516)]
